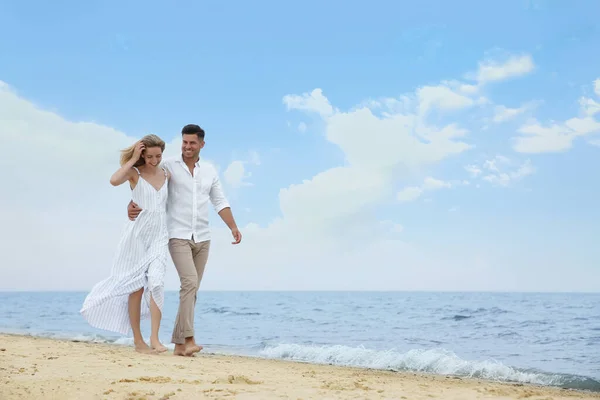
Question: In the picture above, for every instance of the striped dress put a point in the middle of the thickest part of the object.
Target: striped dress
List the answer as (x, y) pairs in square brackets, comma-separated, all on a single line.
[(140, 262)]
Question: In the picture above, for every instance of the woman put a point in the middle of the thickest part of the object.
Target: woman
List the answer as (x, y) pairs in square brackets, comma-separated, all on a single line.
[(136, 283)]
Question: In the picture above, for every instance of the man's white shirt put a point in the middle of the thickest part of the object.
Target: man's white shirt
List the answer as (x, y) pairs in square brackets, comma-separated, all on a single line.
[(189, 196)]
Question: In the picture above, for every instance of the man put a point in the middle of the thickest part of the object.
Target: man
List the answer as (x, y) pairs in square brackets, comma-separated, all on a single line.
[(193, 183)]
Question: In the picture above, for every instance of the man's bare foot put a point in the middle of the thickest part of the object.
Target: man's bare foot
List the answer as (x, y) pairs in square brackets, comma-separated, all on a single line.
[(142, 347), (192, 349), (157, 346), (179, 350), (186, 350)]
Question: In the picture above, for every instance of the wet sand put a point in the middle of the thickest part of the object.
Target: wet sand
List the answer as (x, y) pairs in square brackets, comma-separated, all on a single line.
[(40, 369)]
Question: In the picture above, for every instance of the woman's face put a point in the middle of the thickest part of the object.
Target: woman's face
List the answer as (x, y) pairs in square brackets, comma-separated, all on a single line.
[(152, 155)]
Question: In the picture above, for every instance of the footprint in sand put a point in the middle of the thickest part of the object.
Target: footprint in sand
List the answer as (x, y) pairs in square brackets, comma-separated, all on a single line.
[(337, 386), (220, 393), (139, 395), (155, 379), (360, 385), (125, 380), (194, 382), (240, 380)]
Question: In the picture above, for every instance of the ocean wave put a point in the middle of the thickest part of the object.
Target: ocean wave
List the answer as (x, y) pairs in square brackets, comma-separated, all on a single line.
[(467, 313), (457, 317), (435, 361), (227, 311)]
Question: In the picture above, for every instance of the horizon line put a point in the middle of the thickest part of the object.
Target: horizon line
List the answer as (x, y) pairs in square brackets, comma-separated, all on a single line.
[(503, 291)]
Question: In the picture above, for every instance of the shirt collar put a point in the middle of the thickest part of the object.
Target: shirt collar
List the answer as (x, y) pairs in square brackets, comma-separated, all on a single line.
[(180, 160)]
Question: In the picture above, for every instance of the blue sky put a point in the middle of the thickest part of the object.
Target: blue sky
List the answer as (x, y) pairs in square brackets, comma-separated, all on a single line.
[(144, 67)]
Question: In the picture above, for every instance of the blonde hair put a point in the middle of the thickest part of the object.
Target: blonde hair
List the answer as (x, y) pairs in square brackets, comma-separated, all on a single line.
[(149, 141)]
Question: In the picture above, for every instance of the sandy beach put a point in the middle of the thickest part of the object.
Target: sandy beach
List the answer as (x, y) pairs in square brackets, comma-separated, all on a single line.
[(38, 368)]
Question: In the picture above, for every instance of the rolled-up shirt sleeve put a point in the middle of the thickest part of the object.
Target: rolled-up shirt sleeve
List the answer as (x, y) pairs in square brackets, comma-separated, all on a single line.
[(217, 196)]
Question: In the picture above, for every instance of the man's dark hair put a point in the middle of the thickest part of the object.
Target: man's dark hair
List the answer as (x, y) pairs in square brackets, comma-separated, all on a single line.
[(193, 129)]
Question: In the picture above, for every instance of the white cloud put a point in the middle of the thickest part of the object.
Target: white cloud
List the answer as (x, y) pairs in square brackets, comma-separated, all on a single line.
[(253, 158), (582, 126), (392, 226), (504, 114), (473, 170), (501, 171), (433, 184), (542, 139), (442, 98), (336, 193), (590, 107), (236, 175), (330, 225), (90, 150), (61, 216), (314, 101), (513, 66), (493, 164), (597, 87), (302, 127), (537, 138), (400, 139), (412, 193), (557, 137), (505, 179), (468, 89), (409, 194), (322, 218), (447, 96), (60, 198)]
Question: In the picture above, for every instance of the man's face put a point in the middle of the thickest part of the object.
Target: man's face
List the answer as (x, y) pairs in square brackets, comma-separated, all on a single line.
[(191, 145)]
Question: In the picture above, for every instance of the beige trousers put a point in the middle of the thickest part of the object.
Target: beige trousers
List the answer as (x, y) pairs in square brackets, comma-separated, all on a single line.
[(189, 259)]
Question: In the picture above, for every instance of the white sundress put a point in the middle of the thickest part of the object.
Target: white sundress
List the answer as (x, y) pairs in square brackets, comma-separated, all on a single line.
[(140, 262)]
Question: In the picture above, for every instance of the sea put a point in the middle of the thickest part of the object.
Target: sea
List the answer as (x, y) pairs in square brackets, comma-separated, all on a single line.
[(550, 339)]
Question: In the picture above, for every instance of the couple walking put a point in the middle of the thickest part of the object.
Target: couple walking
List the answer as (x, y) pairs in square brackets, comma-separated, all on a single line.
[(169, 210)]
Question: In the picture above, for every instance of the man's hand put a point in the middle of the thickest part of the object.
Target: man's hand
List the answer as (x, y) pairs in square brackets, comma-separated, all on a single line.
[(227, 217), (133, 210), (237, 236)]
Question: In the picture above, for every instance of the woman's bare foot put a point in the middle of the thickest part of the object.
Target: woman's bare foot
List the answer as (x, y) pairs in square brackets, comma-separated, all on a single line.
[(157, 346), (142, 347)]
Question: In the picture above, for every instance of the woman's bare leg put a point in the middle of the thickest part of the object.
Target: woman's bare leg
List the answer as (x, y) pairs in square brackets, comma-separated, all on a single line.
[(135, 305), (156, 316)]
